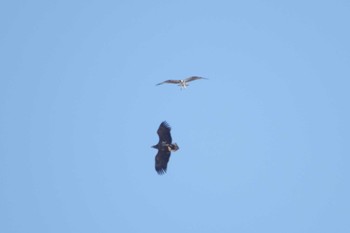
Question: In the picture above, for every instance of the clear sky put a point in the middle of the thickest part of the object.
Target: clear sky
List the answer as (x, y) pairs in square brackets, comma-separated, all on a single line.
[(264, 142)]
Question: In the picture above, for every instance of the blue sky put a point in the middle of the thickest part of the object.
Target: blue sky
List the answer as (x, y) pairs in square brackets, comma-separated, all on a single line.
[(264, 142)]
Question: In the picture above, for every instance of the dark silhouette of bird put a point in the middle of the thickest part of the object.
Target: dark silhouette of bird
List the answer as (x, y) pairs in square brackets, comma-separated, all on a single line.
[(183, 83), (164, 146)]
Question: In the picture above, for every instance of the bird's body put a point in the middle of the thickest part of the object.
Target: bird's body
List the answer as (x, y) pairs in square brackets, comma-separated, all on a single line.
[(183, 83), (164, 147)]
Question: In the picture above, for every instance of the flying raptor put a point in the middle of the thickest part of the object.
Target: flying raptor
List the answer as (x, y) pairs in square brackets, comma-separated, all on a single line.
[(164, 146), (183, 83)]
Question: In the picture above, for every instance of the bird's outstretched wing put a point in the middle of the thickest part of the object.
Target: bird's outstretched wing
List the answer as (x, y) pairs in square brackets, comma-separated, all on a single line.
[(192, 78), (164, 133), (170, 81), (161, 161)]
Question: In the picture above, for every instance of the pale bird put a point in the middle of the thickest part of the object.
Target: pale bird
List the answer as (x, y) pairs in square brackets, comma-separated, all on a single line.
[(183, 83)]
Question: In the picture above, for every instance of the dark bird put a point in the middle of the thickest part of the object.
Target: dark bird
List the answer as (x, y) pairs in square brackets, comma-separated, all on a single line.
[(164, 146), (183, 83)]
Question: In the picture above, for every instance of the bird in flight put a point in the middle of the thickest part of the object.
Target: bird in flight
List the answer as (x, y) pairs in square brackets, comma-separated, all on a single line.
[(183, 83), (164, 146)]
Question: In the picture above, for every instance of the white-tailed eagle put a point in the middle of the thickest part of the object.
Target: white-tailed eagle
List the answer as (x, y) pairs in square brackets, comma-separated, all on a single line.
[(164, 146)]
